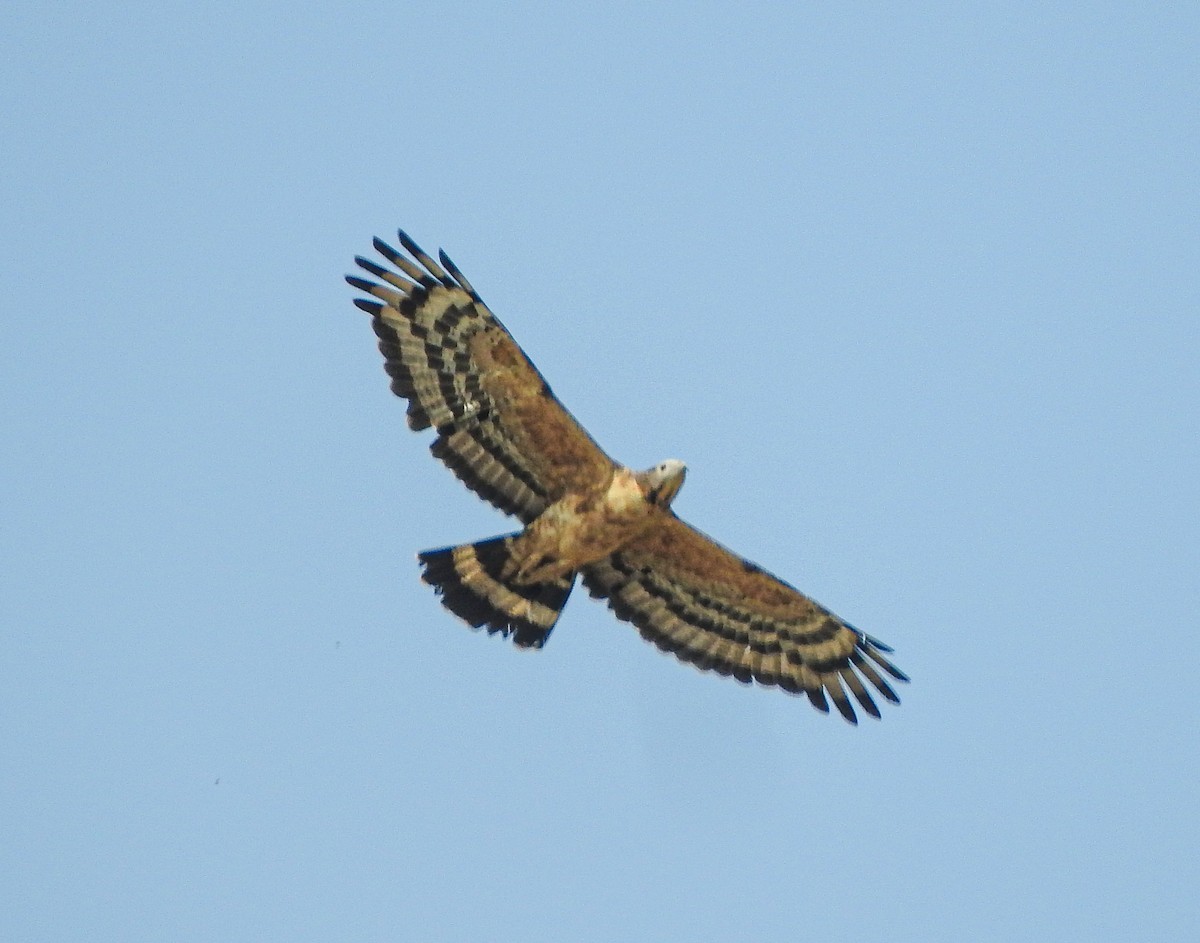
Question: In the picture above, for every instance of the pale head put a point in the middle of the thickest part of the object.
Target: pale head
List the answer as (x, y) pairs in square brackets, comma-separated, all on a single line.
[(661, 483)]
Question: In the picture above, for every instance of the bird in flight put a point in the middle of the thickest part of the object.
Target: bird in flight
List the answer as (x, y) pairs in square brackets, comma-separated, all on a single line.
[(506, 436)]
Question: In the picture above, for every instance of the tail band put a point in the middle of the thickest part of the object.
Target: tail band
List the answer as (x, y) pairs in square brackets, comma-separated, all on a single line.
[(470, 580)]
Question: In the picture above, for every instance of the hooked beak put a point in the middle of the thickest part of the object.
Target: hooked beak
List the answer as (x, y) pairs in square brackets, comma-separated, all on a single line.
[(665, 482)]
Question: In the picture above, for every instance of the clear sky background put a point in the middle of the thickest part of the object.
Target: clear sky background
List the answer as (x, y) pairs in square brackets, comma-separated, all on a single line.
[(913, 291)]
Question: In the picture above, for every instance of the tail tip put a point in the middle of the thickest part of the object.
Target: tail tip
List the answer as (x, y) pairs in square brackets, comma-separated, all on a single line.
[(468, 579)]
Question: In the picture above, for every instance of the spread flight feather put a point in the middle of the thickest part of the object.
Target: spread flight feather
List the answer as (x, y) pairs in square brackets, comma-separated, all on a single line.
[(505, 435)]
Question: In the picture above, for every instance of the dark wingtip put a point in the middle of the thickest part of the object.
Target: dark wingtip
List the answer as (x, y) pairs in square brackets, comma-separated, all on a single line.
[(456, 275), (371, 307), (372, 267), (886, 691), (361, 283), (384, 249), (816, 697), (409, 246)]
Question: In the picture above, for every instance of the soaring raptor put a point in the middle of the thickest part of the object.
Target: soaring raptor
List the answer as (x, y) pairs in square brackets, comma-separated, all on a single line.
[(507, 437)]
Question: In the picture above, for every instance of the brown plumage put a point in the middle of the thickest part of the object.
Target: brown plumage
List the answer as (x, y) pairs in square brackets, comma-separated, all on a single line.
[(506, 436)]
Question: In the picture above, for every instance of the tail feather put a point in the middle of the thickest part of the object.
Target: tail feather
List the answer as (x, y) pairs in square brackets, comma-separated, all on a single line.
[(469, 579)]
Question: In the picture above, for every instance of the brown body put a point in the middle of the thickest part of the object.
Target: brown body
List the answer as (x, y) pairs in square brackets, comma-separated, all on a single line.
[(501, 430), (580, 529)]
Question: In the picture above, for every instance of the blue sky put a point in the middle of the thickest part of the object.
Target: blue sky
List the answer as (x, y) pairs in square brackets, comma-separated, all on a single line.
[(913, 292)]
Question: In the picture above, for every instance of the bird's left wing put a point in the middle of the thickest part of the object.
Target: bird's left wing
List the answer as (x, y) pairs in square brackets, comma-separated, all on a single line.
[(500, 429), (690, 596)]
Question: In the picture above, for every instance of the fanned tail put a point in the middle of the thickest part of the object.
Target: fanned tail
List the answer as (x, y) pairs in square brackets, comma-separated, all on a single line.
[(470, 579)]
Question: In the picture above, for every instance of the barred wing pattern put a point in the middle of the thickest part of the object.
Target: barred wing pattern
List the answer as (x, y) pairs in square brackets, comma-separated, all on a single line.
[(707, 606), (500, 429)]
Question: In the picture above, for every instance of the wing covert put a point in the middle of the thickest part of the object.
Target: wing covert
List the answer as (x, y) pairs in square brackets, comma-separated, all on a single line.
[(499, 427), (707, 606)]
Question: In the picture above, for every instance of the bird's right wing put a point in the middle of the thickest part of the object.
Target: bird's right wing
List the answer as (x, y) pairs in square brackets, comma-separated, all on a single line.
[(500, 429)]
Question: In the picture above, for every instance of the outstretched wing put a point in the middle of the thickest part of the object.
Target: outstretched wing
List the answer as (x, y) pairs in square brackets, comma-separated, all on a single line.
[(499, 427), (690, 596)]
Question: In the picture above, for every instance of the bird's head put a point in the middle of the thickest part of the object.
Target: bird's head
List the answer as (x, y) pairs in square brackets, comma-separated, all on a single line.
[(662, 482)]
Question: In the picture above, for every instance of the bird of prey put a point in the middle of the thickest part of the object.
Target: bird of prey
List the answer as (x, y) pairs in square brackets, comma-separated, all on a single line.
[(506, 436)]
